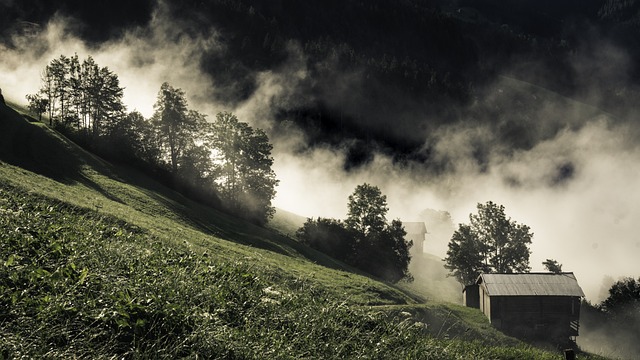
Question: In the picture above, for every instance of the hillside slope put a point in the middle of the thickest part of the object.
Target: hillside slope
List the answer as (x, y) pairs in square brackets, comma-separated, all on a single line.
[(69, 173), (100, 261)]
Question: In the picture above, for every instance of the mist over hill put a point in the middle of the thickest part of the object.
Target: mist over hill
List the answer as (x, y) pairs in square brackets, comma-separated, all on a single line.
[(384, 76), (443, 104)]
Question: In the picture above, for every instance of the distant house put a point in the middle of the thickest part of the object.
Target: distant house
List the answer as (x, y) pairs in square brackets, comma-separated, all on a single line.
[(415, 232), (533, 305)]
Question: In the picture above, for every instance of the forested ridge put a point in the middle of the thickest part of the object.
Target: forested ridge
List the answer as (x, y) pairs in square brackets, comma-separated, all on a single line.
[(383, 75)]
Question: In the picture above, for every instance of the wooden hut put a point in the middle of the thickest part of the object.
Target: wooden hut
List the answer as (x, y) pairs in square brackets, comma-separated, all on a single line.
[(536, 305)]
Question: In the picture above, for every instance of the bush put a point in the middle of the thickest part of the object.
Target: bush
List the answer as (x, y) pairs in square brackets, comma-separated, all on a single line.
[(329, 236)]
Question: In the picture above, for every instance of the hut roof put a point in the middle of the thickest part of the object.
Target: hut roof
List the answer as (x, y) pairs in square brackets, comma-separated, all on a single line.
[(415, 227), (538, 284)]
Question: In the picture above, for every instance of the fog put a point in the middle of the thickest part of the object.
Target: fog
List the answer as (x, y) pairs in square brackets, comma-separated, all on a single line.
[(588, 223), (575, 186), (143, 58)]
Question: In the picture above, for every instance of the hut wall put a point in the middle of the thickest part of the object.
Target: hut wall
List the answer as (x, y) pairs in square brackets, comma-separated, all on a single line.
[(418, 242), (535, 315), (485, 302), (471, 296)]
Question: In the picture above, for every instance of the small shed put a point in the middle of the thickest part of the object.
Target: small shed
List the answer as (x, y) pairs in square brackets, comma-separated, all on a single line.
[(471, 296), (540, 305), (416, 232)]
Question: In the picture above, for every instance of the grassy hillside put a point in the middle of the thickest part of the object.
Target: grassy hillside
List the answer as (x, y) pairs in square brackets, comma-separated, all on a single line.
[(286, 222), (99, 261)]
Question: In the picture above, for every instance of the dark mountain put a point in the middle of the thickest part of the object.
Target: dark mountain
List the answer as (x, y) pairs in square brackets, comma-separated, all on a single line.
[(96, 21), (385, 75)]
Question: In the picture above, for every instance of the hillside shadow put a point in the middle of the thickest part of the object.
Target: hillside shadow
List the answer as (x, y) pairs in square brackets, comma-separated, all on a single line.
[(211, 219), (41, 151), (222, 225)]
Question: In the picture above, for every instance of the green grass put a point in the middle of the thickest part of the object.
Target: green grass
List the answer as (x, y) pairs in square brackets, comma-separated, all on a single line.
[(99, 261)]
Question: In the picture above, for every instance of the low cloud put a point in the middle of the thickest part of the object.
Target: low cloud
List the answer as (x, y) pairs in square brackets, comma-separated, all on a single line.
[(576, 190)]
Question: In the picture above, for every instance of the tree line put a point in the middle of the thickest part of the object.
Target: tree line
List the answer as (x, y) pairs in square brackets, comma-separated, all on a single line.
[(80, 94), (225, 161)]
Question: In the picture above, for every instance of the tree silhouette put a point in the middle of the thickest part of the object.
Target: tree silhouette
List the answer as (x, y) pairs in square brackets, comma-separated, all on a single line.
[(37, 104), (80, 94), (624, 300), (367, 210), (171, 119), (245, 179), (329, 236), (380, 247), (465, 257), (490, 243), (552, 266)]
